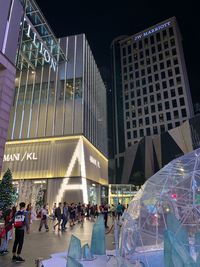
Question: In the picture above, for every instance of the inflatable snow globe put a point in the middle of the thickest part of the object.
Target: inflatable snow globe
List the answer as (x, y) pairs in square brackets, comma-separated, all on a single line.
[(170, 199)]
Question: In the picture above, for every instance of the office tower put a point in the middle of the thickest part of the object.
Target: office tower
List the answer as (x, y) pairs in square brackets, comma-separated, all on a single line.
[(155, 88), (151, 96)]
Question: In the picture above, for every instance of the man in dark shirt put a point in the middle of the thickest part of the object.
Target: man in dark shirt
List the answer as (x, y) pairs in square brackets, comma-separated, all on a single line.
[(79, 211), (64, 216), (21, 223), (105, 213), (72, 214), (58, 215)]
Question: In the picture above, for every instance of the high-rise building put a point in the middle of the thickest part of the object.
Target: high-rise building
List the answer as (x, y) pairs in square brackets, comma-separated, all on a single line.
[(57, 137), (155, 88), (150, 84)]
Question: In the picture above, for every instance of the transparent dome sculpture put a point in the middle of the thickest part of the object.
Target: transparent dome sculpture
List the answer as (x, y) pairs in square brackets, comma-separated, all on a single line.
[(175, 189)]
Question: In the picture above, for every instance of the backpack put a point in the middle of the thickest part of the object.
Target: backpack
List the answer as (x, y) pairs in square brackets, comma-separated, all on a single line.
[(19, 220)]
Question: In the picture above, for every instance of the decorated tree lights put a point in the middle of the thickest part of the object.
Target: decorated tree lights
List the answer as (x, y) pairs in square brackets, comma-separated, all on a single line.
[(8, 193)]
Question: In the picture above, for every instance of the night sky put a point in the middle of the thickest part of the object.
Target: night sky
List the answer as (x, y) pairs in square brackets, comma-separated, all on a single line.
[(102, 21)]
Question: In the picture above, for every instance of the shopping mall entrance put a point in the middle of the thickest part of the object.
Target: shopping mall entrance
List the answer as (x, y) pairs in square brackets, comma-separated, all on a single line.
[(122, 193)]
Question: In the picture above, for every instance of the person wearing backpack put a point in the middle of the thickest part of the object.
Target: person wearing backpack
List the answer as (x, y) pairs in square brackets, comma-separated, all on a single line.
[(20, 224)]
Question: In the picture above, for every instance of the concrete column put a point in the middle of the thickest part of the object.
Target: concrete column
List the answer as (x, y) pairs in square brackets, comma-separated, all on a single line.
[(7, 86)]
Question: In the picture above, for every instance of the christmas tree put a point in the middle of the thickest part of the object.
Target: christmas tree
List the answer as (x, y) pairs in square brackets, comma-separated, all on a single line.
[(7, 191), (40, 199)]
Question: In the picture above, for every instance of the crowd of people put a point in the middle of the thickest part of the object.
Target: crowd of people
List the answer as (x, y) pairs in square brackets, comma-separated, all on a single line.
[(60, 215), (78, 212)]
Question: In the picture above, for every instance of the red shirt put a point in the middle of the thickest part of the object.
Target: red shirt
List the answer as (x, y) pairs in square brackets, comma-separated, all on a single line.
[(8, 223)]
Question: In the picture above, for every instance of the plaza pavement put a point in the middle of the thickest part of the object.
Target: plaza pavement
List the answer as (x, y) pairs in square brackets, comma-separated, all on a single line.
[(42, 244)]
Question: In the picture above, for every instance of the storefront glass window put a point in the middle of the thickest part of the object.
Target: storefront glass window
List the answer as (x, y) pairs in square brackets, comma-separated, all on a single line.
[(104, 195), (122, 193), (70, 89)]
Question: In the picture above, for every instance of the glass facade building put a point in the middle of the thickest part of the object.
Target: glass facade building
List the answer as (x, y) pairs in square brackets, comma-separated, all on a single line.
[(59, 93)]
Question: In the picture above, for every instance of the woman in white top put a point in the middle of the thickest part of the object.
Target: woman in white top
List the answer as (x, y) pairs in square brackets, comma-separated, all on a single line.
[(44, 217)]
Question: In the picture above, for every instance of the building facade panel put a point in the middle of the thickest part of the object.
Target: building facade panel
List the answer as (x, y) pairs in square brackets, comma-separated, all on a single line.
[(10, 16), (157, 151), (65, 158), (12, 30), (5, 5)]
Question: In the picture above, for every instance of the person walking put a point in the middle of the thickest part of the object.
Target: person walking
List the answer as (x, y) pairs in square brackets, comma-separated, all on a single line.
[(119, 210), (64, 216), (8, 222), (72, 214), (58, 215), (44, 218), (92, 213), (79, 212), (88, 210), (53, 211), (82, 214), (20, 224), (96, 213), (28, 209), (105, 213), (113, 212)]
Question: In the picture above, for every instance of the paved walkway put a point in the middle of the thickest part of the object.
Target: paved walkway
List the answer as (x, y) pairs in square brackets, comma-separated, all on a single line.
[(42, 244)]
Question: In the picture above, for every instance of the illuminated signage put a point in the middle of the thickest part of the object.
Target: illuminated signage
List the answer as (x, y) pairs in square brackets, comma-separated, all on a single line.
[(158, 28), (41, 47), (27, 156), (95, 162)]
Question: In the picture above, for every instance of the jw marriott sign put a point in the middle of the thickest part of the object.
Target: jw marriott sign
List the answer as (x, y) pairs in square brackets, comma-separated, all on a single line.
[(153, 30)]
